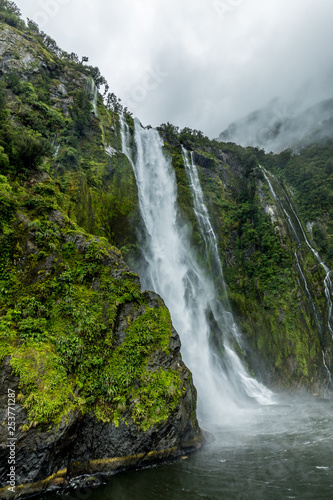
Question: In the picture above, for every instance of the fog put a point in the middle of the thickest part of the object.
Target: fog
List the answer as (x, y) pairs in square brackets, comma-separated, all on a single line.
[(198, 63)]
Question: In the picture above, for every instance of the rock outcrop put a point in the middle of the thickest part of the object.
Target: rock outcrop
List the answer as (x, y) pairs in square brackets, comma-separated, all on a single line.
[(81, 443), (133, 404), (94, 363)]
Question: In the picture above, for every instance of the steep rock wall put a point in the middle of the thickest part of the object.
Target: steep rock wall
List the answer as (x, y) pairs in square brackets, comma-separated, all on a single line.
[(87, 354)]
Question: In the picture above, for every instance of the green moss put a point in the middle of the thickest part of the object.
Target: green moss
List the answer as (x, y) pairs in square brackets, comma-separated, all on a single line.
[(128, 378), (157, 397), (59, 312), (62, 284), (258, 259), (48, 393)]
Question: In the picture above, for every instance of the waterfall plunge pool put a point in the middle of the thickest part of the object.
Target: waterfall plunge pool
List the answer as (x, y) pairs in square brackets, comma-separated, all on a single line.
[(282, 451)]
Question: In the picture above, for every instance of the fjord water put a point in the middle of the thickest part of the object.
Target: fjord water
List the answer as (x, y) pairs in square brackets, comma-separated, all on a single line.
[(277, 452)]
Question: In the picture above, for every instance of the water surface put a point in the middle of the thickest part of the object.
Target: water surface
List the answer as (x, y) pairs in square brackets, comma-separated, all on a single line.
[(282, 451)]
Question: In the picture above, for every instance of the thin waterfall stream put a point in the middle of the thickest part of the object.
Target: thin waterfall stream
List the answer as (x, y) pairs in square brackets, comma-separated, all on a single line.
[(222, 314), (327, 281), (92, 91), (296, 229)]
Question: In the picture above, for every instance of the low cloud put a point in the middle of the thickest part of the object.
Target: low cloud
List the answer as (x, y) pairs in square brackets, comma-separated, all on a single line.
[(222, 58)]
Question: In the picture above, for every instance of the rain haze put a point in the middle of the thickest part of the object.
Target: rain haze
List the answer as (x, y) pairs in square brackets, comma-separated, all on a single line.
[(198, 63)]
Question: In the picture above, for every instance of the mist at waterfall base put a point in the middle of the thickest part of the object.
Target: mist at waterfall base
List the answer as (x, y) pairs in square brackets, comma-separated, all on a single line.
[(281, 451)]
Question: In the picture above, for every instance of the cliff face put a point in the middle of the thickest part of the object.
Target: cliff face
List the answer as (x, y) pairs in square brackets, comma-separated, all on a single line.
[(89, 180), (95, 364), (275, 282)]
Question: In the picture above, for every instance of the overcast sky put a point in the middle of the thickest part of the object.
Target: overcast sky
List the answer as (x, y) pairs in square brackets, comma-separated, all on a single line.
[(197, 63)]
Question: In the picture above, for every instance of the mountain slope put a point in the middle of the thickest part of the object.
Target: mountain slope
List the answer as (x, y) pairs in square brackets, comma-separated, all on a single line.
[(87, 353), (284, 341)]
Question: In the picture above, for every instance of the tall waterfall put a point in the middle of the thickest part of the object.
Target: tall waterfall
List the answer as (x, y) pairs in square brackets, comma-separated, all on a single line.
[(171, 269), (222, 313)]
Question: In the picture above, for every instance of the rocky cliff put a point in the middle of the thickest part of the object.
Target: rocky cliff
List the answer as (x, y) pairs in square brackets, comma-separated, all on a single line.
[(94, 364)]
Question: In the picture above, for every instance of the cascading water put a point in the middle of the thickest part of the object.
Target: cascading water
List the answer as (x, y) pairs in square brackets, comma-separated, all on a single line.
[(307, 291), (222, 314), (297, 230), (327, 281), (272, 451), (172, 270), (202, 215), (125, 139), (92, 90)]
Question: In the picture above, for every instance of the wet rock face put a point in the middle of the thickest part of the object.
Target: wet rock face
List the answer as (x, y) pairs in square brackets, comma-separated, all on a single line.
[(38, 453), (50, 455), (82, 444), (78, 440), (203, 161), (19, 53), (97, 440)]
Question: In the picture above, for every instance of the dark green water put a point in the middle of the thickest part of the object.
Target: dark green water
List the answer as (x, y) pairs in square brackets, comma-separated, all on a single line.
[(275, 452)]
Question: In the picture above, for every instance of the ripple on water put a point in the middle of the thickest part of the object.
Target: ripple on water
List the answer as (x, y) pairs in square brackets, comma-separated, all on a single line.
[(278, 452)]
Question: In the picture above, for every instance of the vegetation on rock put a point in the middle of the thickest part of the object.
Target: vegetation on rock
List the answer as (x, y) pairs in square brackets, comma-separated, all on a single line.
[(67, 195), (284, 345)]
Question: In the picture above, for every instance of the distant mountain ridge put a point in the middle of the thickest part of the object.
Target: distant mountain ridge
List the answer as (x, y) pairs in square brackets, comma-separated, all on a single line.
[(278, 126)]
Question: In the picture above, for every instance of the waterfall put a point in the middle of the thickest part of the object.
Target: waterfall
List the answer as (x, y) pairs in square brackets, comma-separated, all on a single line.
[(329, 295), (297, 230), (307, 291), (327, 281), (202, 216), (222, 315), (92, 91), (125, 138), (171, 269)]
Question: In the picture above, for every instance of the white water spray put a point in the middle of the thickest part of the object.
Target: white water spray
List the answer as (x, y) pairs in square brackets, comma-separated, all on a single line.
[(125, 138), (222, 314), (171, 270)]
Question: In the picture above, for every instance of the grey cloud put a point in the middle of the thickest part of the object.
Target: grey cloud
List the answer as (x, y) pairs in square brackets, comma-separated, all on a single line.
[(224, 58)]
